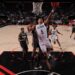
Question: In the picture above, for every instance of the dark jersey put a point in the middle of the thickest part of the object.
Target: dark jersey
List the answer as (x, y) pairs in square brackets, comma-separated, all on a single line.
[(34, 33), (35, 39), (22, 37)]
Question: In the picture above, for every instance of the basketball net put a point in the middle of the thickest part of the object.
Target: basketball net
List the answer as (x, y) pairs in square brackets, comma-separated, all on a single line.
[(37, 7)]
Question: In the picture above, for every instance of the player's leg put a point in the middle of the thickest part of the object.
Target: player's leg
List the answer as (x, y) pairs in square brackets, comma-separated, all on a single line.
[(53, 39), (34, 51), (26, 49), (50, 49), (44, 51), (22, 44), (49, 45), (34, 44), (34, 55), (58, 43), (34, 58), (39, 61), (47, 61), (50, 39), (71, 34)]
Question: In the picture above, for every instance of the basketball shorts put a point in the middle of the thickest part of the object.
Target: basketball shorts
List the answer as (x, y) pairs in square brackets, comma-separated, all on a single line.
[(44, 45)]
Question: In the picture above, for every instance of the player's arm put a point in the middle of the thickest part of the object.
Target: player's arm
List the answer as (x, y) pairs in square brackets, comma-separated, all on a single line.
[(71, 35), (30, 27), (19, 37), (27, 39), (49, 33), (48, 18), (59, 32)]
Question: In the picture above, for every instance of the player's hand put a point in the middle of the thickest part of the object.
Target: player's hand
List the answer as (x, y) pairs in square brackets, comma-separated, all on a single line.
[(52, 11)]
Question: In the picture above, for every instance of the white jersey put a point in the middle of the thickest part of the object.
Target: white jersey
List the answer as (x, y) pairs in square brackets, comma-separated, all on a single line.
[(44, 42), (53, 35), (54, 32), (41, 32)]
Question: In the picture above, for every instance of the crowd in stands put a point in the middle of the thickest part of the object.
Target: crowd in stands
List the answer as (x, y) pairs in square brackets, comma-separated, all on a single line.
[(21, 13)]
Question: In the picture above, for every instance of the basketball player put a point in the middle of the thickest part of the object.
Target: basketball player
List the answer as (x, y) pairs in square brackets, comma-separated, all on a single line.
[(35, 45), (43, 38), (73, 30), (54, 36), (23, 41)]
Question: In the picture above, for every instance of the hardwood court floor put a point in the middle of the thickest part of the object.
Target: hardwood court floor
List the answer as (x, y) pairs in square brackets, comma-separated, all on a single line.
[(9, 39)]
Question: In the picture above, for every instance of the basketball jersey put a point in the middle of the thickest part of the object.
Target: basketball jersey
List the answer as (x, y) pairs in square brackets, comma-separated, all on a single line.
[(34, 33), (54, 32), (23, 36), (41, 32)]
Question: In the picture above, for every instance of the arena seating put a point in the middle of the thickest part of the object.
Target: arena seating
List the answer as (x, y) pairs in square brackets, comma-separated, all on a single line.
[(64, 62)]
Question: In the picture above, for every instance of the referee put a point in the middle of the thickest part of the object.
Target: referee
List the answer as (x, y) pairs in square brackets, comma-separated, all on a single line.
[(23, 41)]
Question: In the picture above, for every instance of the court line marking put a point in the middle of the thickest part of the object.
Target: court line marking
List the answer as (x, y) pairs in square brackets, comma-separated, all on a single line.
[(39, 71), (32, 71)]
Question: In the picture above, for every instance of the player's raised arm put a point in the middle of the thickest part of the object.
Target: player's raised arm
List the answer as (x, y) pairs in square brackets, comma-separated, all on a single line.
[(48, 18)]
